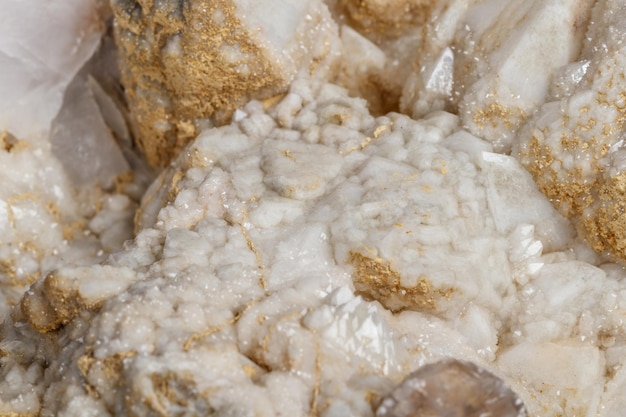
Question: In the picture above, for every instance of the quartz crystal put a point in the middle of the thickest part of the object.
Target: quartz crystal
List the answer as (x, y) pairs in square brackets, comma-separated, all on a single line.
[(348, 191), (37, 67), (499, 67), (574, 146), (451, 388)]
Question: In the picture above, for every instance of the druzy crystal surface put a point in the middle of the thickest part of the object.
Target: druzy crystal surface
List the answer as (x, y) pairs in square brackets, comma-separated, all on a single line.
[(262, 208)]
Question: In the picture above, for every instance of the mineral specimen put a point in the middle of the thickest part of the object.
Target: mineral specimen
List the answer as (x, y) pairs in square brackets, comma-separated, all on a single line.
[(303, 257), (451, 388), (574, 146), (250, 263), (187, 65), (492, 61)]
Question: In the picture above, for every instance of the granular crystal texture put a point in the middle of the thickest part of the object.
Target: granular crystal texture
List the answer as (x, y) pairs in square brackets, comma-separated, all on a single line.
[(574, 146), (189, 64), (301, 259), (451, 388)]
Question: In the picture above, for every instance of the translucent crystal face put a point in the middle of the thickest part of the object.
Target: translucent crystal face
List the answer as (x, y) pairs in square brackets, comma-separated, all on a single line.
[(451, 388)]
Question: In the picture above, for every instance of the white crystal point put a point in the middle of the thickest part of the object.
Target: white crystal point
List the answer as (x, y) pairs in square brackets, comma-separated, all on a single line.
[(42, 48), (81, 139), (505, 55), (452, 388)]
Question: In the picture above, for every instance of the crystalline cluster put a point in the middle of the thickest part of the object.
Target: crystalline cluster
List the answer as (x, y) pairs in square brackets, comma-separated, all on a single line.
[(574, 145), (362, 208), (68, 194)]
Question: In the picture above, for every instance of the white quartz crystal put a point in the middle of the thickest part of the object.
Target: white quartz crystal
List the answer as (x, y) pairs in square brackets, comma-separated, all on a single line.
[(308, 255), (505, 54), (238, 296), (41, 49), (46, 221), (574, 145)]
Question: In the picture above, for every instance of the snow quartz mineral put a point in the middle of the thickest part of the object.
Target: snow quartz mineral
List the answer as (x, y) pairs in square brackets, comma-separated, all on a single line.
[(372, 207)]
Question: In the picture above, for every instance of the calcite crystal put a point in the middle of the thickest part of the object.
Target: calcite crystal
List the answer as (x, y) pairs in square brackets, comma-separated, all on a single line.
[(187, 65), (319, 253), (574, 146), (492, 62), (451, 388)]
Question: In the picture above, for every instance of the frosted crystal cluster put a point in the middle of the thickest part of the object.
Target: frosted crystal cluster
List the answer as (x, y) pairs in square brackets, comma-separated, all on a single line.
[(67, 192), (280, 249), (493, 61), (574, 145), (363, 209)]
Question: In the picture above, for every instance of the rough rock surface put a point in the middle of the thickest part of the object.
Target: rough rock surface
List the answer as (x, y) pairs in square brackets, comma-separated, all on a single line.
[(306, 257), (189, 64), (275, 258)]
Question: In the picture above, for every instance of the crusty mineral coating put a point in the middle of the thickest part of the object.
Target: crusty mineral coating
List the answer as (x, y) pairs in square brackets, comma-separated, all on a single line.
[(237, 295), (387, 18), (307, 257), (187, 65), (46, 219), (573, 147)]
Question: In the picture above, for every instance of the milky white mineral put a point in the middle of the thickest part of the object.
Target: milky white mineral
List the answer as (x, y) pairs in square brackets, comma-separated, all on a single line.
[(316, 255), (574, 146), (37, 67), (493, 61), (67, 194), (301, 260)]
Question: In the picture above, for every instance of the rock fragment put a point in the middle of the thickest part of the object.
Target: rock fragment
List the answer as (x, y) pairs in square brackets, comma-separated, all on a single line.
[(574, 146), (386, 18), (189, 65)]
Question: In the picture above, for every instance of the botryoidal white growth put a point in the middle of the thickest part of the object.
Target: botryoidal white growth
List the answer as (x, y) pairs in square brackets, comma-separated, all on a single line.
[(272, 254)]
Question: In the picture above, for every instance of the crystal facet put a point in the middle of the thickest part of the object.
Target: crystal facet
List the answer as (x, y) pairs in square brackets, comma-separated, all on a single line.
[(451, 388)]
